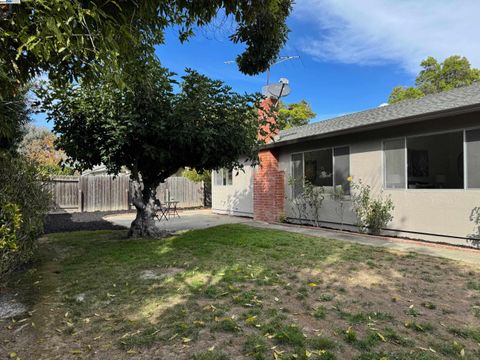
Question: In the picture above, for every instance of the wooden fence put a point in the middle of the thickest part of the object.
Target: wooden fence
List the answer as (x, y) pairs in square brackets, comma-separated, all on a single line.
[(188, 193), (109, 193)]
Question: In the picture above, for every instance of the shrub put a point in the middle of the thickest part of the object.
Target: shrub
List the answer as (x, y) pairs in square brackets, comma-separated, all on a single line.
[(373, 213), (308, 204), (23, 204)]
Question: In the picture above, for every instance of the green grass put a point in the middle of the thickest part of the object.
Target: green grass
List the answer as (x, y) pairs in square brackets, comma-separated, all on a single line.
[(235, 290)]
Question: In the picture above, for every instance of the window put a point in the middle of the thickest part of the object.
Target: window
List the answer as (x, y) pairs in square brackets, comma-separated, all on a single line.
[(297, 174), (342, 168), (327, 167), (319, 167), (223, 177), (394, 164), (472, 139), (433, 161)]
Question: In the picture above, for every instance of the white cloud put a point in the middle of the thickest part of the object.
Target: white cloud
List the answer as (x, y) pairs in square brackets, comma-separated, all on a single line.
[(389, 31)]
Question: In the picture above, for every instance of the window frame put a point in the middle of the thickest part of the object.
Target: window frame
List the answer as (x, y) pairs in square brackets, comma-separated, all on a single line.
[(220, 174), (433, 133), (332, 148)]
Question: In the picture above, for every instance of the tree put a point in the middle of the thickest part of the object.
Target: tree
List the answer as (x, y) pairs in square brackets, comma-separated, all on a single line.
[(153, 131), (435, 77), (76, 38), (198, 176), (295, 114), (38, 146), (73, 40), (400, 93)]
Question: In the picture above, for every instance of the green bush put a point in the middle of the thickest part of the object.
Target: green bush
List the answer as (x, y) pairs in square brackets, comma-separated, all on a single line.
[(23, 204), (373, 212)]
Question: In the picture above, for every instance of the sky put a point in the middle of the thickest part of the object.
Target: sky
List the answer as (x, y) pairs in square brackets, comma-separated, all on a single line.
[(352, 53)]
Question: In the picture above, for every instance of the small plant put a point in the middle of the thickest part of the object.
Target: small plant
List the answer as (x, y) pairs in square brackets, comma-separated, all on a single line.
[(320, 312), (350, 335), (373, 213), (308, 204)]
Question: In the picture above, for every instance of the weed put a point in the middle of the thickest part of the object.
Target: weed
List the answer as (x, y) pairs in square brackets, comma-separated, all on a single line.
[(320, 312), (255, 347)]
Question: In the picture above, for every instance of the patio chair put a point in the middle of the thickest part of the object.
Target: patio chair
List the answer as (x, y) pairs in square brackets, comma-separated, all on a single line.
[(159, 209)]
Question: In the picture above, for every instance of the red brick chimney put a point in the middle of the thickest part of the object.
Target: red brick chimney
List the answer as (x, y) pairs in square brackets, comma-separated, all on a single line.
[(268, 181)]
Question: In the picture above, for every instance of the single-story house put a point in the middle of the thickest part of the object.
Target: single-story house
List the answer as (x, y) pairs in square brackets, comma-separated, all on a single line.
[(423, 153)]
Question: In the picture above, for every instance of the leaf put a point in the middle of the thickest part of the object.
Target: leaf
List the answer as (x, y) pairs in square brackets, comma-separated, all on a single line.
[(381, 337), (12, 355), (312, 284)]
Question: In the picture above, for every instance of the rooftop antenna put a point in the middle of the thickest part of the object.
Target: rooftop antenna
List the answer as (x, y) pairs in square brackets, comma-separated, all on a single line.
[(276, 61)]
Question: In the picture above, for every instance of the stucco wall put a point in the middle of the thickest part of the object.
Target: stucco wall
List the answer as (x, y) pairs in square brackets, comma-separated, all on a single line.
[(428, 214), (235, 199)]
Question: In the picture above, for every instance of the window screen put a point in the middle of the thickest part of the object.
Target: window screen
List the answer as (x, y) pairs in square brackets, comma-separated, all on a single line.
[(435, 161), (219, 177), (394, 164), (473, 158), (297, 174), (342, 168), (319, 167)]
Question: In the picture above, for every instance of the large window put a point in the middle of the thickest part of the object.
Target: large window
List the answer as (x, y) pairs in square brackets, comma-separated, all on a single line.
[(223, 177), (326, 167), (434, 161), (319, 167)]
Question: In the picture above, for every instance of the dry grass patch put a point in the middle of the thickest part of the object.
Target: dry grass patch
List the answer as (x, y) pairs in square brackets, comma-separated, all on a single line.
[(236, 292)]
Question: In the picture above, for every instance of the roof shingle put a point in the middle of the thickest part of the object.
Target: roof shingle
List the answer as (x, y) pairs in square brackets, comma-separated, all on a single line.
[(448, 100)]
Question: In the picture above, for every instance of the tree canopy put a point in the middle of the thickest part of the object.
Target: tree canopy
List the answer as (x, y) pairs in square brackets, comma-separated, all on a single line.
[(455, 71), (76, 38), (152, 130), (38, 146), (294, 114)]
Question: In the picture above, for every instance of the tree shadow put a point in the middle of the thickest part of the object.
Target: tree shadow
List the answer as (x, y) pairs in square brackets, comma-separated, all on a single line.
[(68, 222)]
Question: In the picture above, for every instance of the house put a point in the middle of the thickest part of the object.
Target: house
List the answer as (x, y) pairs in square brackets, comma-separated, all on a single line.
[(423, 153)]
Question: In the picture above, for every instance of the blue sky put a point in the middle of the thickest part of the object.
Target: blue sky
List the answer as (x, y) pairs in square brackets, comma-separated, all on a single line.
[(352, 52)]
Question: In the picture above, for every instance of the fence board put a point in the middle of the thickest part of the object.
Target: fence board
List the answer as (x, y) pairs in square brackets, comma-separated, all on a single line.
[(107, 193)]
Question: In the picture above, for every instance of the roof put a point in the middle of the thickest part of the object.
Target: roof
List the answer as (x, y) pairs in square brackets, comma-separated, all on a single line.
[(460, 100)]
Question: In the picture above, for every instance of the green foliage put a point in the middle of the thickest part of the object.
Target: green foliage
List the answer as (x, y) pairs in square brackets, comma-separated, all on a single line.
[(295, 114), (23, 203), (435, 77), (373, 212), (308, 204), (400, 93), (10, 222), (150, 129), (14, 112), (71, 39), (198, 176)]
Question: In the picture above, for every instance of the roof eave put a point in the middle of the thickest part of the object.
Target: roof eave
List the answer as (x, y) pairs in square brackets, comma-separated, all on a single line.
[(380, 125)]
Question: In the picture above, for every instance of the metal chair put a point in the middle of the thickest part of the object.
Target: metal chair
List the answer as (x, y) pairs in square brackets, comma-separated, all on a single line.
[(158, 208)]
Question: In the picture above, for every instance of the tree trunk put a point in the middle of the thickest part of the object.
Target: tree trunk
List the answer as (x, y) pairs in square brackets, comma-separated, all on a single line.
[(144, 223)]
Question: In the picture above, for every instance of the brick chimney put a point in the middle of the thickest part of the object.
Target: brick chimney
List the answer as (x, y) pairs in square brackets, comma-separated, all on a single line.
[(268, 180)]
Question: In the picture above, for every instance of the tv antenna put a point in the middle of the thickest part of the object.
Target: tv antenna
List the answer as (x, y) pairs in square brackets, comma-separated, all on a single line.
[(276, 61)]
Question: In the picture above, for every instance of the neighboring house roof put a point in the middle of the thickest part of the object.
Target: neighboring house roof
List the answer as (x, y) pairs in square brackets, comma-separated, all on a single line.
[(460, 100)]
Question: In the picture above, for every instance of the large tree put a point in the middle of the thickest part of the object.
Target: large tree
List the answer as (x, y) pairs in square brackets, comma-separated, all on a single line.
[(152, 130), (435, 77), (72, 38), (75, 39), (294, 114)]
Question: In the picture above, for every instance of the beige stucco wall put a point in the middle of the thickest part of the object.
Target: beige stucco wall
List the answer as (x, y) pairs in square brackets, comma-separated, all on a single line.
[(235, 199), (428, 214)]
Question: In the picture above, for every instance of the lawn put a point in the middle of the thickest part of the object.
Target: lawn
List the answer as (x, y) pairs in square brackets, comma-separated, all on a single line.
[(238, 292)]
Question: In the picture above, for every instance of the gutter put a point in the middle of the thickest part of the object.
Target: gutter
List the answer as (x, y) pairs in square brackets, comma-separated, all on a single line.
[(380, 125)]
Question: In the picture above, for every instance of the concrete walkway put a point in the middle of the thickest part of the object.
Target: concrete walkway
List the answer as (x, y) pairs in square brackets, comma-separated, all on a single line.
[(200, 219)]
